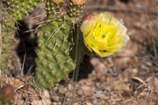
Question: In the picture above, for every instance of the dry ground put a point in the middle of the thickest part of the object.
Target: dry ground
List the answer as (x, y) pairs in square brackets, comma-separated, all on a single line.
[(129, 77)]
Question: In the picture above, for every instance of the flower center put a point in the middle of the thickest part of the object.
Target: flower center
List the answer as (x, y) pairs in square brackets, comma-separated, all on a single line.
[(103, 33), (103, 36)]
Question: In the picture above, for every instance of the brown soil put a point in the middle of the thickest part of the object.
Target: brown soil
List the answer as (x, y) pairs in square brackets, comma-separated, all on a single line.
[(129, 77)]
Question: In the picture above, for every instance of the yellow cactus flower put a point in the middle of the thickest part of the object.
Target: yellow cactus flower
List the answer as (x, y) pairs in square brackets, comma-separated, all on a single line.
[(104, 34)]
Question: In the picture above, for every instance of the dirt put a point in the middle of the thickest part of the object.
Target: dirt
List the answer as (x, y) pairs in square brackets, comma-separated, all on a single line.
[(129, 77)]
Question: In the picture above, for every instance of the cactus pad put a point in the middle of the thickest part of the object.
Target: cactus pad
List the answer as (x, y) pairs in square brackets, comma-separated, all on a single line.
[(53, 6), (21, 8), (76, 7), (8, 31), (54, 61)]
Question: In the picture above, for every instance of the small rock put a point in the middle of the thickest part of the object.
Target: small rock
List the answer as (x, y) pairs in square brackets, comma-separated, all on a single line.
[(75, 103), (99, 103), (98, 94), (134, 71), (95, 61), (37, 102), (109, 60), (54, 103), (149, 64), (21, 102), (70, 87), (55, 98), (46, 94), (88, 103), (86, 88)]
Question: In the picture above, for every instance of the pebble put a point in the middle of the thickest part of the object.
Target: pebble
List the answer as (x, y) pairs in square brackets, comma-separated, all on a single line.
[(88, 103), (55, 98)]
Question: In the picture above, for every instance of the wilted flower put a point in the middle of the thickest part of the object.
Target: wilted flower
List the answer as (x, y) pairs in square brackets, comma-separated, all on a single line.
[(104, 34)]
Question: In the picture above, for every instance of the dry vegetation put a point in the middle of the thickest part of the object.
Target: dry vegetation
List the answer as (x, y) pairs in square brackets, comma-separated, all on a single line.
[(129, 77)]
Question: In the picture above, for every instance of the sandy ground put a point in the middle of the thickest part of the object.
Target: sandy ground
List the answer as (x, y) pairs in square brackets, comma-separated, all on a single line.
[(129, 77)]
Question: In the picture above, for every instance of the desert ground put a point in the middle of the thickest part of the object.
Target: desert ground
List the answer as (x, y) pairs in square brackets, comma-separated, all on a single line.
[(128, 77)]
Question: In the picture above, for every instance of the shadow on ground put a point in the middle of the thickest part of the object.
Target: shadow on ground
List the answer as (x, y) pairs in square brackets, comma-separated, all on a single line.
[(84, 70)]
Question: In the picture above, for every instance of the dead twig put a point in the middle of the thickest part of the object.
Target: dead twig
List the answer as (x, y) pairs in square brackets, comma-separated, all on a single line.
[(138, 86)]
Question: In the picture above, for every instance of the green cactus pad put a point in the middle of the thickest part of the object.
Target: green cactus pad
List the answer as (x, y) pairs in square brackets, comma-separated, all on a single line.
[(74, 9), (8, 31), (21, 8), (53, 6), (54, 61)]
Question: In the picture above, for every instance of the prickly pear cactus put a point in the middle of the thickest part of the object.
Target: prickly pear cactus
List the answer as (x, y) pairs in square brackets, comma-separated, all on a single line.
[(8, 31), (58, 47), (21, 8), (54, 61)]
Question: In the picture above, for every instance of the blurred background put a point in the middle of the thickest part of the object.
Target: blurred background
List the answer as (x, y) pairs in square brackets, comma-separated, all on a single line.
[(128, 77)]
